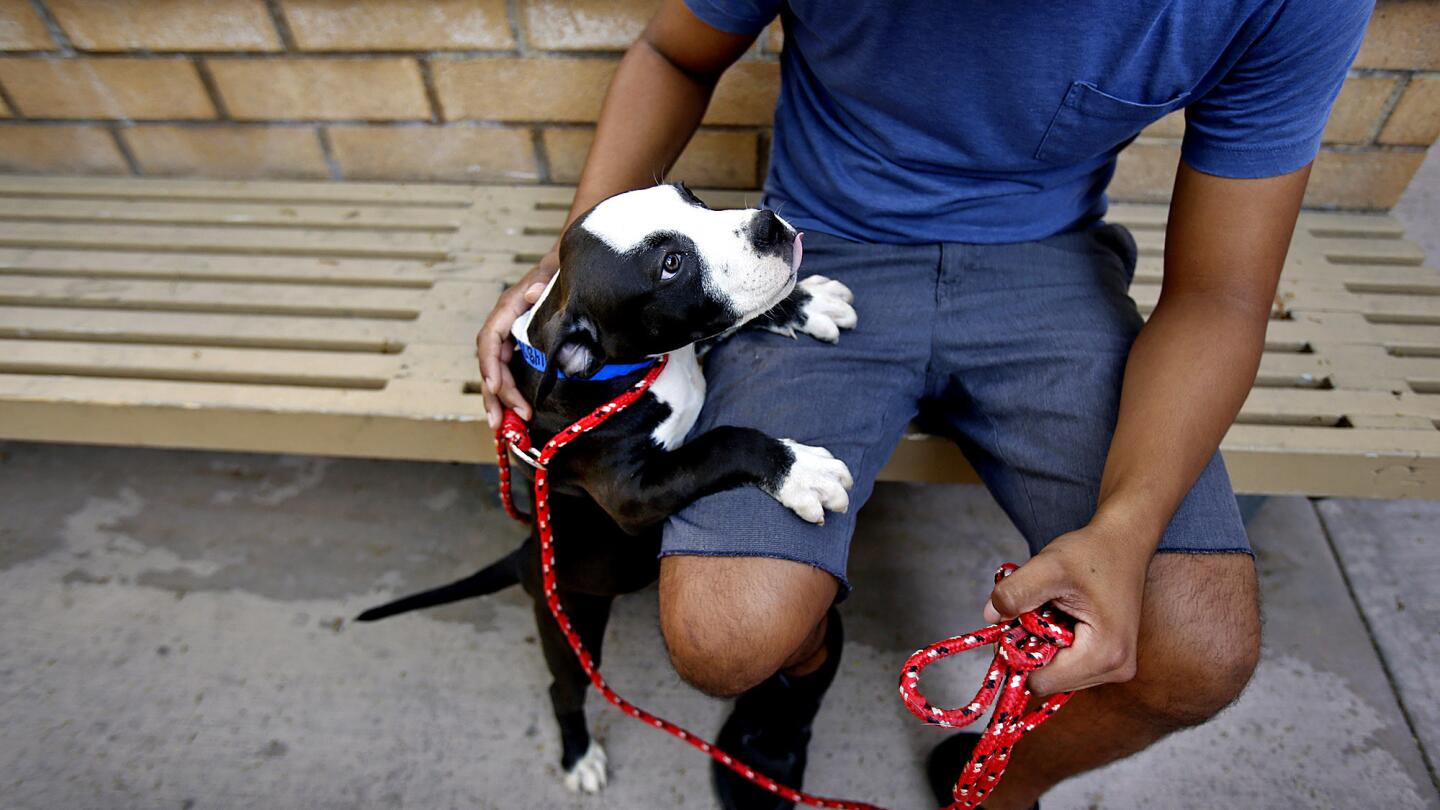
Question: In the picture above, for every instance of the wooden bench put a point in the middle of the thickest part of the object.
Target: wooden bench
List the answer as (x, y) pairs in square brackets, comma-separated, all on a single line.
[(339, 319)]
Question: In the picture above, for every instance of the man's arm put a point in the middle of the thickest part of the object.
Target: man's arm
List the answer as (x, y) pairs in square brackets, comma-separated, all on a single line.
[(653, 106), (1188, 374)]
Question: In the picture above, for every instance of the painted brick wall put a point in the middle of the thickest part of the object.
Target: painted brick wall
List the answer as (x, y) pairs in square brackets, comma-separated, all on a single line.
[(503, 90)]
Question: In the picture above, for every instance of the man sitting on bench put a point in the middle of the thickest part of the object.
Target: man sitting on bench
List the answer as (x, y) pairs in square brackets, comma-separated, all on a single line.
[(948, 162)]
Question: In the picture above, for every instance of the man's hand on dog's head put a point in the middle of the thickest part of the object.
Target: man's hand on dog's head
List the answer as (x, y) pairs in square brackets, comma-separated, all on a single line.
[(493, 345)]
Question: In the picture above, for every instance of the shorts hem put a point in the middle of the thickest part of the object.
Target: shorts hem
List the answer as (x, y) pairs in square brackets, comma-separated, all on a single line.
[(1197, 551)]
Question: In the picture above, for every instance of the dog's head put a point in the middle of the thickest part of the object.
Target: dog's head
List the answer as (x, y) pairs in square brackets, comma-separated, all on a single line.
[(650, 271)]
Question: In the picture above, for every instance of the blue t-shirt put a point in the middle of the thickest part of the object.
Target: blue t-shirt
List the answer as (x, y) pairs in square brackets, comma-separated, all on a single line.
[(910, 121)]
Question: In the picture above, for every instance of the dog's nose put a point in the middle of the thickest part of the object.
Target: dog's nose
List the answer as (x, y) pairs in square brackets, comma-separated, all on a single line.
[(766, 229)]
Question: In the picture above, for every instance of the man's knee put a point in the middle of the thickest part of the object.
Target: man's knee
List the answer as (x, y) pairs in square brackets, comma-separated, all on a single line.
[(731, 622), (1189, 688), (1200, 648)]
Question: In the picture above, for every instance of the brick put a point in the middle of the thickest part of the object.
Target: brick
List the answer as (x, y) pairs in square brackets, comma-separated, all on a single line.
[(399, 25), (321, 89), (1369, 179), (21, 29), (1171, 126), (1416, 119), (167, 25), (746, 94), (1354, 117), (1145, 172), (522, 89), (1357, 110), (1403, 35), (565, 151), (226, 151), (718, 159), (106, 88), (774, 38), (471, 154), (79, 149), (1361, 179), (567, 25)]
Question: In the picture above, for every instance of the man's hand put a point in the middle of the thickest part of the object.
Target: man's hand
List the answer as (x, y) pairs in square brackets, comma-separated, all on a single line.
[(493, 345), (1096, 576)]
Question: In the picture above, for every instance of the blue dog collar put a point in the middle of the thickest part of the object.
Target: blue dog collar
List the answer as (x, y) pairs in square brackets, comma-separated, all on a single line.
[(537, 360)]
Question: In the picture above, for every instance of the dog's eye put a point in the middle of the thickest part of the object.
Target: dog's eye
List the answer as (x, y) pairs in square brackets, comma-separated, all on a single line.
[(671, 265)]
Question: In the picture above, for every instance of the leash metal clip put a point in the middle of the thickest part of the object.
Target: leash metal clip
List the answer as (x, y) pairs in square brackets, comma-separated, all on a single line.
[(529, 457)]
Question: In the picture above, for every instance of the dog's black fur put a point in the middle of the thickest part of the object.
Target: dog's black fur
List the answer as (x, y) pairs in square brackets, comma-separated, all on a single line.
[(612, 488)]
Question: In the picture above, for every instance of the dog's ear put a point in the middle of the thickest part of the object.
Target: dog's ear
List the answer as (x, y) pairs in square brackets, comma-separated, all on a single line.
[(687, 195), (572, 344), (579, 353)]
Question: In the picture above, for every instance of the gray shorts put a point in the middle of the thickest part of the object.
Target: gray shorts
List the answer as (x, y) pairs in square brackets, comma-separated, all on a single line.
[(1016, 351)]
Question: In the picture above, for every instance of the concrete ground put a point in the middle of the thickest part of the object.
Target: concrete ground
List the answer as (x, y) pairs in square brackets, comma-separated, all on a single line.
[(173, 635)]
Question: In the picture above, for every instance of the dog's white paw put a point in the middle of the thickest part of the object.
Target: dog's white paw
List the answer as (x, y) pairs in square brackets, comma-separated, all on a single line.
[(829, 309), (816, 482), (588, 774)]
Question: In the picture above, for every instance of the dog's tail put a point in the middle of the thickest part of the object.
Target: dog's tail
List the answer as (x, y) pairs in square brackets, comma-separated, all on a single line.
[(499, 575)]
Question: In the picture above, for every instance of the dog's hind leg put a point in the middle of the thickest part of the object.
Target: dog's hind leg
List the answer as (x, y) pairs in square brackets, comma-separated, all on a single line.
[(581, 758), (499, 575)]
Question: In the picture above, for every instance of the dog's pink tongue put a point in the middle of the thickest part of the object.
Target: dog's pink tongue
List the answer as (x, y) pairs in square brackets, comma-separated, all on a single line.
[(796, 253)]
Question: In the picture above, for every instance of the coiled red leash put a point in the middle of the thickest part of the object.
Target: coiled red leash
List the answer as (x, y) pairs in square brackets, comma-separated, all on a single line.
[(1015, 642), (1021, 647)]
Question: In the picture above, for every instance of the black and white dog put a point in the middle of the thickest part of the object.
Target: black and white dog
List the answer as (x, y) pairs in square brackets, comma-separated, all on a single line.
[(646, 273)]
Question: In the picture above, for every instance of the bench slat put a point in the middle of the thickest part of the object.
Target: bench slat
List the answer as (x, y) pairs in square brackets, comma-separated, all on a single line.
[(200, 212), (257, 241), (203, 266), (318, 369), (317, 192), (205, 329), (260, 299)]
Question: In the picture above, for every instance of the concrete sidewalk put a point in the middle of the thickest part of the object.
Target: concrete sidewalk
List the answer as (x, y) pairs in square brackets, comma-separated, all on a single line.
[(173, 635)]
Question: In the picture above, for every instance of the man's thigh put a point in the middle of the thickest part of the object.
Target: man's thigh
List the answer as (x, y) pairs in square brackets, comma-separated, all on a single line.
[(1027, 377), (853, 398)]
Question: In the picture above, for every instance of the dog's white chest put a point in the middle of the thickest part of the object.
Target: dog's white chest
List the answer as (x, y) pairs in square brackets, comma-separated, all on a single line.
[(682, 387)]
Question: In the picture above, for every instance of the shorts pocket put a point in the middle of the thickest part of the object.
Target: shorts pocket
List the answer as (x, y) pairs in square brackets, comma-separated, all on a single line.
[(1091, 122), (1118, 241)]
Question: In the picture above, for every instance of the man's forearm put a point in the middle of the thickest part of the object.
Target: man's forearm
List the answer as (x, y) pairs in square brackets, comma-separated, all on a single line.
[(1195, 359), (650, 112), (1188, 374), (655, 103)]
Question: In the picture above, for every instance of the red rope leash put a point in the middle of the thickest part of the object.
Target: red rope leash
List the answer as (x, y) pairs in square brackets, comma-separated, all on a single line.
[(1021, 646)]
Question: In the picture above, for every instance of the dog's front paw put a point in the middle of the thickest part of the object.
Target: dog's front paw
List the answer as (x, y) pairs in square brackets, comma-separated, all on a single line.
[(588, 775), (829, 309), (816, 482)]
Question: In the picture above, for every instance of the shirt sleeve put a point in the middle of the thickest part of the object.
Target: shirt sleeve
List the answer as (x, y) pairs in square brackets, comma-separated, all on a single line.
[(735, 16), (1265, 117)]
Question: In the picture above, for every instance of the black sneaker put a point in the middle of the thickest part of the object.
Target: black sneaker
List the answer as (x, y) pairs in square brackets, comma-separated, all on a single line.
[(945, 763), (769, 729)]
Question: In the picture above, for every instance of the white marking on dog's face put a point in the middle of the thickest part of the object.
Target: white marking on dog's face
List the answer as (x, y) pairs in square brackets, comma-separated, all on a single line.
[(588, 774), (681, 386), (746, 276)]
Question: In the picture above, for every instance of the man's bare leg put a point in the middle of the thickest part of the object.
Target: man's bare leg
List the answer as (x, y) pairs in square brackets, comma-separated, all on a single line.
[(731, 622)]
